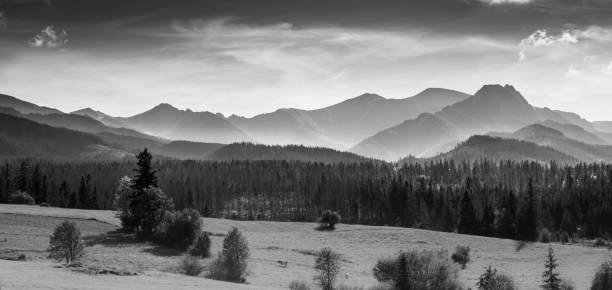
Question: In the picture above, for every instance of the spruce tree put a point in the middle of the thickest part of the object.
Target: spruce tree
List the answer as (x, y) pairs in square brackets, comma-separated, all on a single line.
[(145, 175), (21, 180), (402, 272), (467, 220), (527, 228), (550, 276)]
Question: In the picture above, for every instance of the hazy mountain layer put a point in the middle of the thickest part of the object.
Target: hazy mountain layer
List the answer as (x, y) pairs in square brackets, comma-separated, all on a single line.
[(343, 124), (499, 149), (24, 107), (169, 122)]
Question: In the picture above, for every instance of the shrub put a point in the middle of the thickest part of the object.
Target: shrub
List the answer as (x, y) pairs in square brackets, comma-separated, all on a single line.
[(491, 280), (191, 266), (418, 270), (201, 246), (231, 263), (327, 265), (603, 277), (567, 285), (148, 209), (21, 197), (461, 256), (179, 229), (66, 242), (298, 285), (600, 243), (328, 220), (44, 204)]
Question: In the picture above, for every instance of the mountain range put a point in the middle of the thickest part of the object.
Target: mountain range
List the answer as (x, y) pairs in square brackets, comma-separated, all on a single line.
[(434, 124)]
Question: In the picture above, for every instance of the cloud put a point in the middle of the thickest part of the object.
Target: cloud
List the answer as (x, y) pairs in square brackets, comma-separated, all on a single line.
[(608, 69), (50, 38), (542, 39)]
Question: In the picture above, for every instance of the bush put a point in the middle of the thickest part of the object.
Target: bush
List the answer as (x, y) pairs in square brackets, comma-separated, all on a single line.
[(191, 266), (298, 285), (231, 264), (179, 229), (66, 242), (461, 256), (328, 220), (491, 280), (201, 246), (327, 265), (567, 285), (600, 243), (21, 197), (147, 210), (418, 270), (44, 204), (603, 277)]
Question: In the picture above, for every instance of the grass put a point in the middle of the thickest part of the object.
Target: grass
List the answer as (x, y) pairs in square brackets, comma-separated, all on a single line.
[(270, 242)]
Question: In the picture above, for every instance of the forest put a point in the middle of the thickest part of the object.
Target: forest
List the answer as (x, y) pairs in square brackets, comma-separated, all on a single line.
[(509, 199)]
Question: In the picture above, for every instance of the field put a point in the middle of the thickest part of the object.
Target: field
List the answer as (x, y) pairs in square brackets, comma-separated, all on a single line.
[(148, 266)]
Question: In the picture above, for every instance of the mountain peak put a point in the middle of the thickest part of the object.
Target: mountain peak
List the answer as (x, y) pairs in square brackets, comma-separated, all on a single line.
[(367, 97), (165, 107)]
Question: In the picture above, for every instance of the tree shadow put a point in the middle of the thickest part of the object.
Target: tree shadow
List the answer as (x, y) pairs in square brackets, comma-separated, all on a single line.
[(115, 238), (163, 251)]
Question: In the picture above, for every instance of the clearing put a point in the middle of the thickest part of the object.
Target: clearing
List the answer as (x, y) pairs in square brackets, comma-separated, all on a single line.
[(144, 265)]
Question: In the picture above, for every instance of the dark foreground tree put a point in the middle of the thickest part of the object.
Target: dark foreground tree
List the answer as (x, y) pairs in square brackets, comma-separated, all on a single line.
[(603, 277), (327, 265), (231, 264), (551, 276), (66, 243)]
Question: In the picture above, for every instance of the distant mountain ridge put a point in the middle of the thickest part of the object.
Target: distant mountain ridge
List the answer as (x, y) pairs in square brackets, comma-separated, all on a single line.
[(25, 107), (501, 149), (492, 108), (169, 122), (343, 124)]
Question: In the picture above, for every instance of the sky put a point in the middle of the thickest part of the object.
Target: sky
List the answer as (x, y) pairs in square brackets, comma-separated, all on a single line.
[(251, 57)]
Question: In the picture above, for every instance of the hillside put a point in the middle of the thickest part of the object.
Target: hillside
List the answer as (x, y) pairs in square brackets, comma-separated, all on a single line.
[(24, 138), (500, 149), (249, 151), (187, 150), (546, 136), (25, 107), (100, 116), (360, 246)]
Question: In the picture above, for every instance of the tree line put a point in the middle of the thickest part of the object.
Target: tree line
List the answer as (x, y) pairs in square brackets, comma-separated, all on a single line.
[(509, 199)]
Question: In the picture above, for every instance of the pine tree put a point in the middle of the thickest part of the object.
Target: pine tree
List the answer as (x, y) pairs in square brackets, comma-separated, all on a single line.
[(527, 228), (467, 220), (551, 277), (145, 175), (21, 180), (36, 184), (64, 195)]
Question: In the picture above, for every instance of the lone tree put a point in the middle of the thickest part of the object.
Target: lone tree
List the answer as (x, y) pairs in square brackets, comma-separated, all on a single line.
[(550, 276), (66, 242), (328, 220), (232, 262), (147, 203), (327, 265)]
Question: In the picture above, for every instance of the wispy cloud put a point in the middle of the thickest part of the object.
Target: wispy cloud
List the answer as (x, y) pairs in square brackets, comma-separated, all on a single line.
[(50, 38)]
